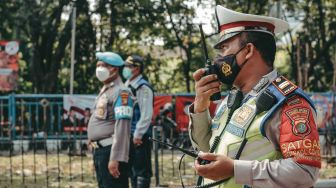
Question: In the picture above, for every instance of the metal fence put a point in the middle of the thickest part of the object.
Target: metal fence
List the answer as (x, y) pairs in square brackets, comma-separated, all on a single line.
[(42, 162), (36, 150), (28, 116), (68, 163)]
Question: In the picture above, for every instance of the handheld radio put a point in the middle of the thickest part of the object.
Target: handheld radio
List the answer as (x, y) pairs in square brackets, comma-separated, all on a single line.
[(210, 69)]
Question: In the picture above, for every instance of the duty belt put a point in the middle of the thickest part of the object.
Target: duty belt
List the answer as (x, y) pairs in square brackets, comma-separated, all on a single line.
[(102, 143)]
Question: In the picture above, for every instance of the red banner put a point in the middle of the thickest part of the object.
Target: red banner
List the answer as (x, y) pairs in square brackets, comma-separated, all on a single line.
[(159, 102), (8, 65), (182, 103), (181, 109)]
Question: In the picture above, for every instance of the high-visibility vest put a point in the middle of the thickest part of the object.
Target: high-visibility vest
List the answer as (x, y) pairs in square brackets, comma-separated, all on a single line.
[(244, 123)]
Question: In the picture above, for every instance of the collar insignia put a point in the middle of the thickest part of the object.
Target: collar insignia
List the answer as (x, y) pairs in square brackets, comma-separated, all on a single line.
[(261, 84)]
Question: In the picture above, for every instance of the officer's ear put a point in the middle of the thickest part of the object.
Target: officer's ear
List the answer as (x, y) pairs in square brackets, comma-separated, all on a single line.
[(137, 69), (114, 69), (250, 50)]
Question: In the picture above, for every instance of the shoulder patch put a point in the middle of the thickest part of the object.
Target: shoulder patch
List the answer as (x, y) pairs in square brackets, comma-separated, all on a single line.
[(124, 98), (123, 108), (284, 85), (299, 138)]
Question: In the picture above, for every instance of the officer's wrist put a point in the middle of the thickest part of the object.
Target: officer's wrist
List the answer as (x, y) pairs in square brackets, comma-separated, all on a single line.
[(198, 109), (200, 106)]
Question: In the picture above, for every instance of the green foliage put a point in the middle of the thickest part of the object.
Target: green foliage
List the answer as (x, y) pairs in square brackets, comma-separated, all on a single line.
[(281, 63), (311, 46), (135, 26)]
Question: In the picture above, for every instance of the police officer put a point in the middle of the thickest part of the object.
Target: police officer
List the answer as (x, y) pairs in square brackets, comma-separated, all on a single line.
[(110, 122), (140, 153), (264, 133)]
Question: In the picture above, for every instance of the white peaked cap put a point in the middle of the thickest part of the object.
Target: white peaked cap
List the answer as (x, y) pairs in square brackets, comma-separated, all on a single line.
[(231, 23)]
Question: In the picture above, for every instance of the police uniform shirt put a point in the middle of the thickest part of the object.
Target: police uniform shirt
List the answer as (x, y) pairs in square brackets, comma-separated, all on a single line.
[(144, 98), (111, 118), (278, 173)]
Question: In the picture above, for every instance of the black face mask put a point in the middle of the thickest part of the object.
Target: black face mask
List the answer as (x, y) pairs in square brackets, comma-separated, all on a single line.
[(227, 67)]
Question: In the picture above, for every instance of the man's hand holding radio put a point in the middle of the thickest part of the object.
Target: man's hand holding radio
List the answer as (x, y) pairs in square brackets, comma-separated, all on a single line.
[(205, 86), (220, 166)]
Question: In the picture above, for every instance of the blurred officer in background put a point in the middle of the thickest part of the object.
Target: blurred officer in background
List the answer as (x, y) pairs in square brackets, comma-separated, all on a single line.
[(140, 153), (110, 123)]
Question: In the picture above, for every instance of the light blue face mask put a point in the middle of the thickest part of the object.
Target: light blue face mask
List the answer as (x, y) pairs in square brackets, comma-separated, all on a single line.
[(127, 73)]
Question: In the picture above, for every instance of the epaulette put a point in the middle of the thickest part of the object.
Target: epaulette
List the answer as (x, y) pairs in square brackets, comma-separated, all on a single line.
[(282, 88), (284, 85)]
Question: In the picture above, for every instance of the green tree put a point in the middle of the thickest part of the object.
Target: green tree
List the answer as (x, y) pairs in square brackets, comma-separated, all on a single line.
[(133, 27), (317, 38), (44, 31), (181, 32), (48, 36)]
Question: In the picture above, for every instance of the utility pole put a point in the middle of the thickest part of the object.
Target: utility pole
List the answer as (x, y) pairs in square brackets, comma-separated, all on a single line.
[(278, 8), (306, 67), (73, 40), (298, 63), (275, 9)]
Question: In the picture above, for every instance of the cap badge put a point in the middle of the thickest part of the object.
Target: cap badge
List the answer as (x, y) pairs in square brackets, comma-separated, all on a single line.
[(226, 69)]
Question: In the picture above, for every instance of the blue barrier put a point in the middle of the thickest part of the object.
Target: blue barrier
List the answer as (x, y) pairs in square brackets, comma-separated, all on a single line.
[(28, 116)]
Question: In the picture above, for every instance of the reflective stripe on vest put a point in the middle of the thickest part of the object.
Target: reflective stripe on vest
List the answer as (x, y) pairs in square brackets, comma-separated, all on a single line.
[(257, 147)]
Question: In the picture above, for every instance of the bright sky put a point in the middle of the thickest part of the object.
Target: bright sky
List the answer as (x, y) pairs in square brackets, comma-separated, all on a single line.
[(204, 14)]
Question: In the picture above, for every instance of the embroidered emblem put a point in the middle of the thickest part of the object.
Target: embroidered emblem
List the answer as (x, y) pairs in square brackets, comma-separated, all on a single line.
[(235, 130), (124, 98), (301, 128), (100, 112), (283, 85), (305, 151), (123, 108), (300, 122), (101, 106), (243, 115), (226, 69), (299, 138)]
